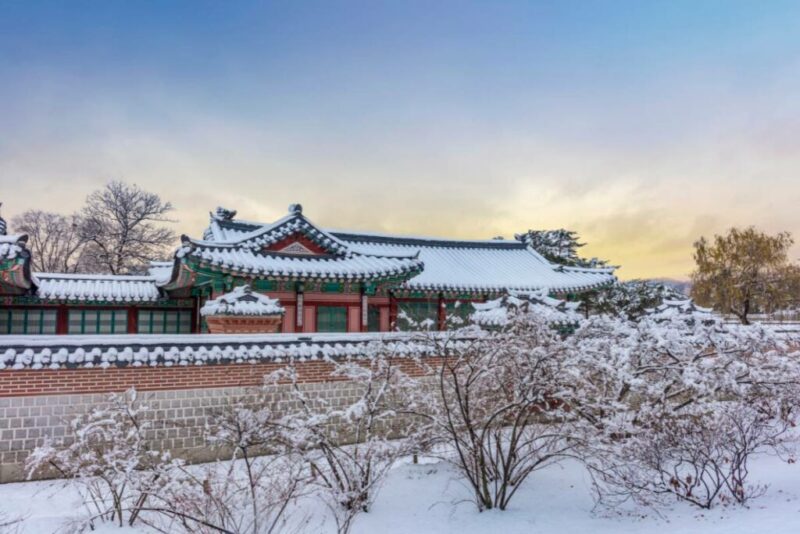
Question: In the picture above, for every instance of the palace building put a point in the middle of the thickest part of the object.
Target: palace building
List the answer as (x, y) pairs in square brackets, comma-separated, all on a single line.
[(308, 279)]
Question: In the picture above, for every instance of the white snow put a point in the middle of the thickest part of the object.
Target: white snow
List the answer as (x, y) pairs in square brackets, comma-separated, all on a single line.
[(242, 301), (96, 287), (10, 246), (428, 497), (39, 352)]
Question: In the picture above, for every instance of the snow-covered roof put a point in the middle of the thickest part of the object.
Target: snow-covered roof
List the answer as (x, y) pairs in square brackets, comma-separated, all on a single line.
[(447, 264), (679, 307), (244, 248), (224, 230), (160, 270), (347, 267), (93, 287), (242, 301), (487, 265)]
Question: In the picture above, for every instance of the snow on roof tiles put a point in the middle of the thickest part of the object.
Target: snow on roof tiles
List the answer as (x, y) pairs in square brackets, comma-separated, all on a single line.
[(106, 288), (449, 265), (242, 301), (349, 267), (495, 265)]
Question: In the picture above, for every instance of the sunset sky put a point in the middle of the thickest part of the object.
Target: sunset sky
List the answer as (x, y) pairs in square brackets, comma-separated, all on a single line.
[(641, 125)]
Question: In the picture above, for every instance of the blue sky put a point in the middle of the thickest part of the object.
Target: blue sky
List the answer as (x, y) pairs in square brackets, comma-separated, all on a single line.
[(642, 125)]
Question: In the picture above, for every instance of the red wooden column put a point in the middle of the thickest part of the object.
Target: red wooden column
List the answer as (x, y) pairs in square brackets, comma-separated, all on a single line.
[(133, 320), (62, 320)]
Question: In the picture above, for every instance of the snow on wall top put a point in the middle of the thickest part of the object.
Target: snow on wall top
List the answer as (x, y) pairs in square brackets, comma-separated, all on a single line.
[(242, 301), (54, 352), (105, 288)]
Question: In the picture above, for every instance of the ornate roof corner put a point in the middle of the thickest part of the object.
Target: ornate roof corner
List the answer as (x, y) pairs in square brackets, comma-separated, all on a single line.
[(186, 241)]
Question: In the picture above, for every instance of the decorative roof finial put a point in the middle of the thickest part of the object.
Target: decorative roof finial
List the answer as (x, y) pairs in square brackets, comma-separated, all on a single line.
[(296, 209), (223, 214), (3, 226)]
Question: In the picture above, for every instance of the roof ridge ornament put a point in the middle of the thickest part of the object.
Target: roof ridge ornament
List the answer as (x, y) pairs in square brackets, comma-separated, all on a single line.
[(296, 209), (223, 214), (3, 225)]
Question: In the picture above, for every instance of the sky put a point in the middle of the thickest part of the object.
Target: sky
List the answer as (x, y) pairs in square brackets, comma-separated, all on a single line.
[(642, 125)]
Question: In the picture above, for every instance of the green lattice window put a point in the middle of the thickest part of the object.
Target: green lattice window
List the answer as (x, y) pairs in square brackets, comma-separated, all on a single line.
[(331, 319), (421, 314), (31, 321), (98, 322), (373, 319), (164, 322)]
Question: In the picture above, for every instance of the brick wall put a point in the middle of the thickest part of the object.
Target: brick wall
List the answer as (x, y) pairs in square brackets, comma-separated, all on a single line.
[(35, 404)]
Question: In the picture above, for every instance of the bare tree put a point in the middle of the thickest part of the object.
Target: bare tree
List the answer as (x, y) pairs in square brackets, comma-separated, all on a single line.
[(121, 226), (54, 240)]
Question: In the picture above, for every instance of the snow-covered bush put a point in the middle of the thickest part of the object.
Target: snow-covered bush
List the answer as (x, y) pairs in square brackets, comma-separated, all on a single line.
[(679, 403), (347, 444), (108, 458), (631, 299), (499, 403), (249, 494)]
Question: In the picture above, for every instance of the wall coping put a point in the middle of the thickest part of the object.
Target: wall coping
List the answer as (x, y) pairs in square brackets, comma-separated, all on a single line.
[(71, 352)]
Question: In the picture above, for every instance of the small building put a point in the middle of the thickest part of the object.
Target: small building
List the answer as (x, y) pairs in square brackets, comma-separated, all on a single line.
[(323, 280)]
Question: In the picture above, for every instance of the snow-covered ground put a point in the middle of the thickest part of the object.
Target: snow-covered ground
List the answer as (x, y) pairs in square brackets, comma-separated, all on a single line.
[(428, 497)]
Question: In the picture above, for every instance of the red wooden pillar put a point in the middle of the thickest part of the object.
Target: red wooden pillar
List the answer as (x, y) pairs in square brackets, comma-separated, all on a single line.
[(62, 320), (133, 320), (195, 314)]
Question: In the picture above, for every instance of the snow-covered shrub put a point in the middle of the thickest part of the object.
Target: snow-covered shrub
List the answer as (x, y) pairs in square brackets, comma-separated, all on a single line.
[(499, 401), (249, 494), (108, 458), (348, 444), (678, 404)]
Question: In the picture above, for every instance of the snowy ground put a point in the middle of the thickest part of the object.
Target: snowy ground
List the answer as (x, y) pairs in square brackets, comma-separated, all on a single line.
[(428, 498)]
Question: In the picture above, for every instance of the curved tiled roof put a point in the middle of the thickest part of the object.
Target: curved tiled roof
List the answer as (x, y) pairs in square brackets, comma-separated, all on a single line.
[(353, 266), (92, 287), (495, 265)]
